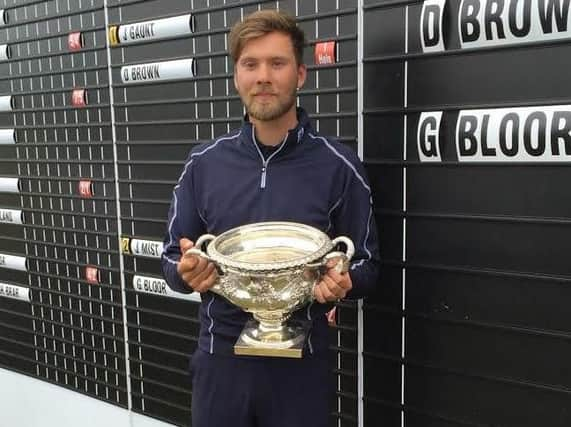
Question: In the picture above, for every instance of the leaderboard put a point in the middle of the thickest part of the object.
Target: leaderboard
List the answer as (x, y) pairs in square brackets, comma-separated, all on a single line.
[(168, 70), (58, 244), (162, 88), (11, 213)]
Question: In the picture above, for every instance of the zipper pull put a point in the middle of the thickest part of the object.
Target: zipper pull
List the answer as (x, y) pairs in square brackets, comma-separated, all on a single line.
[(263, 180)]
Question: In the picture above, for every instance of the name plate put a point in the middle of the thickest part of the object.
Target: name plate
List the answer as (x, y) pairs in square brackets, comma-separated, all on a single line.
[(154, 30), (9, 185), (152, 285), (144, 248), (11, 216), (7, 136), (4, 52), (522, 134), (14, 292), (6, 103), (159, 71), (518, 134), (13, 262)]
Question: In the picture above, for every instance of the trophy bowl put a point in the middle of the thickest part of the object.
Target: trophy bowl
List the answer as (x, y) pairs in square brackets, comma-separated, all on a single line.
[(269, 269)]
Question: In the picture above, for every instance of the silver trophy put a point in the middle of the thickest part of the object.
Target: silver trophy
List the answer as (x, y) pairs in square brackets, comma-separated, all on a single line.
[(269, 269)]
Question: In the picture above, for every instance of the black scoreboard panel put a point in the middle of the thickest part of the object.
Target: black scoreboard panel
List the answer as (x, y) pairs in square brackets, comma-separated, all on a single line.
[(466, 140), (67, 326), (97, 116)]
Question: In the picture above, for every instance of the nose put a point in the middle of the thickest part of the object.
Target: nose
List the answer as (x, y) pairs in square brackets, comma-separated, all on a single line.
[(263, 73)]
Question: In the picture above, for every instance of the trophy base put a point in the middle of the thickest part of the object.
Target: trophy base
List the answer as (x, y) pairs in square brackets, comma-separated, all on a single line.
[(285, 342)]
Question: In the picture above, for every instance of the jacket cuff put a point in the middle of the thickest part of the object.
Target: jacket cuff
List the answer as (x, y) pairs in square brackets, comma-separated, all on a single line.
[(174, 281)]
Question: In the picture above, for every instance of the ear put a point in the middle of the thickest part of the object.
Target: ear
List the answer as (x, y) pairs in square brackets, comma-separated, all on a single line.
[(301, 75)]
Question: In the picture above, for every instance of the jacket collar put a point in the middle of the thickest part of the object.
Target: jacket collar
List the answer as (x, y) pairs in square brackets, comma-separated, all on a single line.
[(294, 136)]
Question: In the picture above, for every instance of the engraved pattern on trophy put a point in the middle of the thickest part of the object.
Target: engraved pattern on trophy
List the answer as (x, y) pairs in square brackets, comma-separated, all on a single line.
[(272, 291)]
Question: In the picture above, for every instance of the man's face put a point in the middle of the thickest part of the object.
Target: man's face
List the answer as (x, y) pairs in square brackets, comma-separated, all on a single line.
[(267, 76)]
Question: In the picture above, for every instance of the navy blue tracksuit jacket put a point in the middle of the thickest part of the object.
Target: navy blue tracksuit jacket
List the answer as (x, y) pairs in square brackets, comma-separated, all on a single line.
[(309, 179)]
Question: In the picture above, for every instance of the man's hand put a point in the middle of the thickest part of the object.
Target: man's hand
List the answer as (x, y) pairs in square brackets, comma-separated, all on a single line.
[(198, 273), (333, 285)]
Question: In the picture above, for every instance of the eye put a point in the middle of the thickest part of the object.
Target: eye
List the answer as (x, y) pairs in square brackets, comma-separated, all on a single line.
[(248, 64)]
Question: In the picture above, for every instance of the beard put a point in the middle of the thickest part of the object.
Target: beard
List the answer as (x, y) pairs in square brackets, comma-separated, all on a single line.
[(270, 110)]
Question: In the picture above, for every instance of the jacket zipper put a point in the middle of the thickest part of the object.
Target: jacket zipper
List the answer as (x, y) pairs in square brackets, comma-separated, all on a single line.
[(265, 162), (263, 180)]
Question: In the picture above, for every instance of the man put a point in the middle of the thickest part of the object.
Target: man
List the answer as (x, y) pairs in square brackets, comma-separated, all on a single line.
[(274, 168)]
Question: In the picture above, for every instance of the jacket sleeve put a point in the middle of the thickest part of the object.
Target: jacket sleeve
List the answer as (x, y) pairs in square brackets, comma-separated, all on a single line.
[(355, 219), (184, 220)]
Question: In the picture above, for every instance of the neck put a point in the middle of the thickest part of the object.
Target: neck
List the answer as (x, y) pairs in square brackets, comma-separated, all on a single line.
[(272, 132)]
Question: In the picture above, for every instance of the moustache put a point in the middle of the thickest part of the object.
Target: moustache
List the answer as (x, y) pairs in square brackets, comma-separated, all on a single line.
[(263, 90)]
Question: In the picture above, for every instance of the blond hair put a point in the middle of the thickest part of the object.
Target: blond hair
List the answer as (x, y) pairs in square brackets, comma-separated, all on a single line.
[(263, 22)]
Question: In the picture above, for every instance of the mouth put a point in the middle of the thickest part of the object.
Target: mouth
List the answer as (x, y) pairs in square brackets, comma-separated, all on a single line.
[(263, 98)]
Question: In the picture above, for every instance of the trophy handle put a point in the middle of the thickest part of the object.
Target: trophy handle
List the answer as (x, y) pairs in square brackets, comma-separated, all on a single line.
[(342, 265), (197, 249)]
